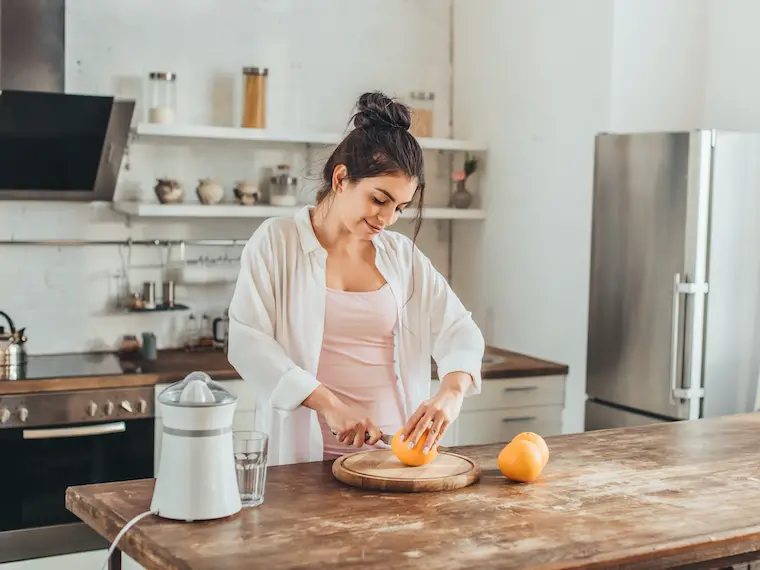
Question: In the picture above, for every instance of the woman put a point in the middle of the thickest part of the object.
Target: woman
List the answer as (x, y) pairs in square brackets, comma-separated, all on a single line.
[(334, 318)]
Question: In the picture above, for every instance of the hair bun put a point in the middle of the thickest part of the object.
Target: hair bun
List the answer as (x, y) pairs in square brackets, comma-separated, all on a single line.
[(377, 110)]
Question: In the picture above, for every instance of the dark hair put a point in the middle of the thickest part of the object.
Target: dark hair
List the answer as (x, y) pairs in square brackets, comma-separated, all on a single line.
[(379, 144)]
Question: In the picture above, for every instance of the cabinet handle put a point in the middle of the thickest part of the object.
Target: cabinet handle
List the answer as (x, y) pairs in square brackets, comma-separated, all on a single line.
[(519, 419), (521, 388)]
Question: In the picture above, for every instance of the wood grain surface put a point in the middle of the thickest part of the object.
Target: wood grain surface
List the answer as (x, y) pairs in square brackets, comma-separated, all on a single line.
[(648, 497), (379, 469)]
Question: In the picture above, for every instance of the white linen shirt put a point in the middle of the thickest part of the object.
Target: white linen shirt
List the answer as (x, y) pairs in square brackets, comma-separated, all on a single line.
[(276, 323)]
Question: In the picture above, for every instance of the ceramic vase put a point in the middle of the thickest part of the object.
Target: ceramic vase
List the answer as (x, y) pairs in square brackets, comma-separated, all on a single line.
[(462, 198), (209, 191)]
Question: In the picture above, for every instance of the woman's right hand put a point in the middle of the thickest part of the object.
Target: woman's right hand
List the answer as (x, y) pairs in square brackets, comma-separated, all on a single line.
[(350, 426)]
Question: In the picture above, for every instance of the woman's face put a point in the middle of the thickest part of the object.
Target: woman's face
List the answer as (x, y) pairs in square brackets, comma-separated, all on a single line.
[(371, 205)]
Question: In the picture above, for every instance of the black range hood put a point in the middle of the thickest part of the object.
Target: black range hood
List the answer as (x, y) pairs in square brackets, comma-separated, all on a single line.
[(53, 145)]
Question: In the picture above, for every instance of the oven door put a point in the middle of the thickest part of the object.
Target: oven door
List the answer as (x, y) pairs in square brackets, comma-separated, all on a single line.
[(40, 463)]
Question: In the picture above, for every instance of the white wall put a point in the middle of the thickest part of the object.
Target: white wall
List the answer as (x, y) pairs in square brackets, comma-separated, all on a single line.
[(321, 56), (732, 82), (556, 74), (658, 64), (540, 74)]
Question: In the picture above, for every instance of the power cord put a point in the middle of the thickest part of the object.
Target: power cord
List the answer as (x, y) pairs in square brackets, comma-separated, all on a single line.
[(122, 532)]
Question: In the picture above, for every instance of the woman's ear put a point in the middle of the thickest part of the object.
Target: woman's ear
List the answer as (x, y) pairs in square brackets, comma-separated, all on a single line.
[(340, 172)]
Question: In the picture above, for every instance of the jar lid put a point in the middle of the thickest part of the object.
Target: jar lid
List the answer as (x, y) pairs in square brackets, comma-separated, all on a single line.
[(256, 71), (163, 75), (196, 390)]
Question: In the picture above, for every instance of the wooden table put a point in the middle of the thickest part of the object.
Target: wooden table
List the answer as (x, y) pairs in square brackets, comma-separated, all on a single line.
[(659, 496)]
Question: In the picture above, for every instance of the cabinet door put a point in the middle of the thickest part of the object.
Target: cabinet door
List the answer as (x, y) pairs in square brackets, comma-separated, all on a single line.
[(244, 420), (500, 426), (449, 439)]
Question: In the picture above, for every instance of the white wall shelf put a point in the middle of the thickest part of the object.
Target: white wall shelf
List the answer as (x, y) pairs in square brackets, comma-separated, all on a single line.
[(195, 210), (204, 132)]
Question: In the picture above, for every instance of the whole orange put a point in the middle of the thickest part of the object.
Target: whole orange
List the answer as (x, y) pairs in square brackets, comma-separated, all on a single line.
[(521, 460), (414, 456), (538, 440)]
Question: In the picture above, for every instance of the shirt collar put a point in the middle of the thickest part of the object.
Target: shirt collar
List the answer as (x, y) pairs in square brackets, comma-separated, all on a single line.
[(308, 238), (306, 235)]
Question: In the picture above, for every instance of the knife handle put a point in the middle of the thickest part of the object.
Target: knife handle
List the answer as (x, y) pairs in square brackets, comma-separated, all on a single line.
[(366, 437)]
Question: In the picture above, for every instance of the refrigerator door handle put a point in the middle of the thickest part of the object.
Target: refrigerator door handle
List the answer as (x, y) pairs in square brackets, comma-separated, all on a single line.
[(680, 288)]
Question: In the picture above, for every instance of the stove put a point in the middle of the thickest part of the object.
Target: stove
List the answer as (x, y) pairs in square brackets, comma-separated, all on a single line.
[(62, 438), (64, 366)]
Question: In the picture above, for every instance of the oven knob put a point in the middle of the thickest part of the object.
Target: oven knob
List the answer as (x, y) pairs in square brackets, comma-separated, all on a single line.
[(126, 406), (92, 409), (109, 408), (142, 406), (5, 415), (23, 414)]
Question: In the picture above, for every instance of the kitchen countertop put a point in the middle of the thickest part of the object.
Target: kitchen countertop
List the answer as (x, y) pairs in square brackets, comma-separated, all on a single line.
[(657, 496), (173, 365)]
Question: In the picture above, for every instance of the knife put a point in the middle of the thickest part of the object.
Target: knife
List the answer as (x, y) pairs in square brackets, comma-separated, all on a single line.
[(385, 438)]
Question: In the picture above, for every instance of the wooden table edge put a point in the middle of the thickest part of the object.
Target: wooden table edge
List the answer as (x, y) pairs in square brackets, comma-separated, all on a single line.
[(699, 551)]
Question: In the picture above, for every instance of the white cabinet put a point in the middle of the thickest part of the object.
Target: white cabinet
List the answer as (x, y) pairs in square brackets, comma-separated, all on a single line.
[(244, 418), (506, 407)]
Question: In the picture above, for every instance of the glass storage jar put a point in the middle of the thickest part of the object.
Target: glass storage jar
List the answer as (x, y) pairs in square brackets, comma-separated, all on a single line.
[(283, 188), (163, 97), (255, 97), (422, 113)]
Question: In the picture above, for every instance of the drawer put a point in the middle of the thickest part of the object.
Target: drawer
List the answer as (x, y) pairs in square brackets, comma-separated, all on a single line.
[(496, 426), (514, 393), (244, 421)]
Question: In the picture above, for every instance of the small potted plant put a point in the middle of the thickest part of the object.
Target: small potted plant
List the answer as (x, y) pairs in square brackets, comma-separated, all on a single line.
[(462, 198)]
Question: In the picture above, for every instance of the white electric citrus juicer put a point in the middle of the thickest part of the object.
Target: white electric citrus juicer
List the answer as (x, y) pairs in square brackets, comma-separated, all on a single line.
[(196, 477)]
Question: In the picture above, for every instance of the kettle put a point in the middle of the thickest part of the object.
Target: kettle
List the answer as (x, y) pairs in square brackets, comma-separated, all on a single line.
[(12, 345), (196, 477), (224, 321)]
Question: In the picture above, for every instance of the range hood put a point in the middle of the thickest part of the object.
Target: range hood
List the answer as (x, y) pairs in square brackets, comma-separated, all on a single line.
[(53, 145)]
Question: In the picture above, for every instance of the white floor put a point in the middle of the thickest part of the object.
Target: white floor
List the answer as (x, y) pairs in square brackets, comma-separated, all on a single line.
[(81, 561)]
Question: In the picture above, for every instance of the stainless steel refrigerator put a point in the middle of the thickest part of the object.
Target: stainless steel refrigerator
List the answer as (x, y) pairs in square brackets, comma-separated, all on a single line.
[(674, 317)]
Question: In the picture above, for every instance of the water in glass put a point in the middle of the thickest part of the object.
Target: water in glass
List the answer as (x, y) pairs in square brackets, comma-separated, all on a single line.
[(251, 465)]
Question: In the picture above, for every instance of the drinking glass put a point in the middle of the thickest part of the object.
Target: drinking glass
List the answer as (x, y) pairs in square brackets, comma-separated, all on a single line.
[(251, 449)]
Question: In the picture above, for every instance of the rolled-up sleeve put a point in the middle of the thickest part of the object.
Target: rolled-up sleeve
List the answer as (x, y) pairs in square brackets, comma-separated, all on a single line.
[(457, 343), (252, 347)]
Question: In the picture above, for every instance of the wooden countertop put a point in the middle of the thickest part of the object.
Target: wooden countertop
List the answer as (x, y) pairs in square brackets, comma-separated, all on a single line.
[(510, 364), (648, 497), (173, 365)]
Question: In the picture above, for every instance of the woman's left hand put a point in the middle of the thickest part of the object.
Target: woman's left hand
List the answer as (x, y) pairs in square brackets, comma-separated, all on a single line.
[(438, 412)]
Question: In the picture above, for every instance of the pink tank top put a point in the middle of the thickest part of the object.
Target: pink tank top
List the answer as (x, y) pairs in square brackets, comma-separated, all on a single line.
[(357, 361)]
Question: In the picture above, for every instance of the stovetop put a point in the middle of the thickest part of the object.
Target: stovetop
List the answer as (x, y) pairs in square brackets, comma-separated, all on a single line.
[(64, 366)]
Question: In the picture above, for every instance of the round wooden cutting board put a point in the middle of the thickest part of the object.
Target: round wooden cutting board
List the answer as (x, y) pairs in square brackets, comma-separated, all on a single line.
[(379, 469)]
